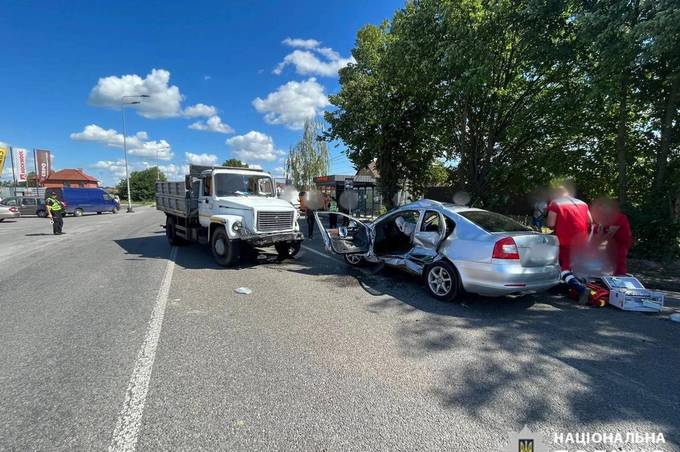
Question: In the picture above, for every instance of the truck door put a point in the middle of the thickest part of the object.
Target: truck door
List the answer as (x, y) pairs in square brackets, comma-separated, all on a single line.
[(351, 237), (205, 201)]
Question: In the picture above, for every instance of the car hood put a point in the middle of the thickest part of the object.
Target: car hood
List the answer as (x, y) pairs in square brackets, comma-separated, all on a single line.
[(254, 202)]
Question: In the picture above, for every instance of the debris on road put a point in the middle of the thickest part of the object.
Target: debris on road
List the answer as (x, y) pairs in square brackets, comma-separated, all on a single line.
[(243, 290)]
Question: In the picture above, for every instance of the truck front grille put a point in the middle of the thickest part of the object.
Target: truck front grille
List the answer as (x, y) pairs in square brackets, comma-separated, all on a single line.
[(274, 221)]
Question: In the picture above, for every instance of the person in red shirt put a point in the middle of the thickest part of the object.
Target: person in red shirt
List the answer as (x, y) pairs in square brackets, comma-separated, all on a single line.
[(569, 217), (614, 228)]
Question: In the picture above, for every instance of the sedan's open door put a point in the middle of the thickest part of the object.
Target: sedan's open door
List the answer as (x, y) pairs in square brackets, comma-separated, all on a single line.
[(343, 234)]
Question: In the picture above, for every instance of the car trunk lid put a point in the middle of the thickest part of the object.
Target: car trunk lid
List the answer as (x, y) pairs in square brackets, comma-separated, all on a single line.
[(535, 250)]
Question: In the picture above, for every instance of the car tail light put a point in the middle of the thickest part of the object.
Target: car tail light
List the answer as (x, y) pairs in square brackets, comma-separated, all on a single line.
[(13, 209), (505, 248)]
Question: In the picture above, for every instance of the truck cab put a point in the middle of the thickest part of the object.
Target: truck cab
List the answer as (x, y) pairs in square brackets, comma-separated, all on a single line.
[(229, 207)]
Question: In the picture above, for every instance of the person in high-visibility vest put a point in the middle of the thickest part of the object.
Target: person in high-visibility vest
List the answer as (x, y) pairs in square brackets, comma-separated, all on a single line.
[(55, 211)]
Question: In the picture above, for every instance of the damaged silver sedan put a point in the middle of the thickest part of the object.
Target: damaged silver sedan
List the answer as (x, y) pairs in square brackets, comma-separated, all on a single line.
[(454, 248)]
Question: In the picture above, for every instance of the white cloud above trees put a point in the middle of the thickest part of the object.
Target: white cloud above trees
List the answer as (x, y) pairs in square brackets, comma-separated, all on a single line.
[(200, 110), (309, 58), (138, 144), (164, 99), (254, 146), (293, 103), (201, 159), (212, 124)]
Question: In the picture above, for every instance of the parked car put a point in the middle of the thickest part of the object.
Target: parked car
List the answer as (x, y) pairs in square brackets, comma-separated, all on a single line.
[(8, 212), (27, 205), (82, 200), (454, 248)]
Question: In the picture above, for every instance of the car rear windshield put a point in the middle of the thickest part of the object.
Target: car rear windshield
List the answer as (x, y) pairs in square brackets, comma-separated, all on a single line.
[(493, 222)]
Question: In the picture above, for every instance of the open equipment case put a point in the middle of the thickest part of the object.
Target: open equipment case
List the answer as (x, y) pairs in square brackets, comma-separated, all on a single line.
[(627, 293)]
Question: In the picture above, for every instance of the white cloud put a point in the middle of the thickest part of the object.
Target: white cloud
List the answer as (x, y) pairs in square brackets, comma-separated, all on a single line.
[(293, 103), (212, 124), (207, 77), (164, 101), (199, 110), (302, 43), (254, 146), (116, 168), (137, 144), (201, 159), (254, 166), (313, 60)]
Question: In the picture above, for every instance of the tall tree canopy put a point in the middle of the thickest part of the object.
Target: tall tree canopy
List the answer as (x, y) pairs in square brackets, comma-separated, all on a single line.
[(514, 93), (308, 158), (235, 163), (142, 184)]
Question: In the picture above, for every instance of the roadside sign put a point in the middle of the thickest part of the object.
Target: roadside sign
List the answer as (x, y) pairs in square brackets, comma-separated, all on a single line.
[(3, 155)]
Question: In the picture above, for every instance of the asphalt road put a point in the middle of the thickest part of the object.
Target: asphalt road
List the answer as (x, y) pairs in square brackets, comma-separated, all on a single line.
[(319, 356)]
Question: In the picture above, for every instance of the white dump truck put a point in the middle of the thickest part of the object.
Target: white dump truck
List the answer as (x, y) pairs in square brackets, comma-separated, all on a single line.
[(228, 208)]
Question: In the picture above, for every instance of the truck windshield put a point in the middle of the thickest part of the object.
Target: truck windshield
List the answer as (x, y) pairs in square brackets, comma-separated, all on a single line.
[(243, 184)]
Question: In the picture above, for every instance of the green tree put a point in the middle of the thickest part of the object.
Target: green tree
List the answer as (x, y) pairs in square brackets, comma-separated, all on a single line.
[(235, 163), (142, 184), (308, 158), (380, 116)]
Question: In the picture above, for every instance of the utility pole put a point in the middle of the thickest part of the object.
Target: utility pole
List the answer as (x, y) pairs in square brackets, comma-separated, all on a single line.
[(122, 110)]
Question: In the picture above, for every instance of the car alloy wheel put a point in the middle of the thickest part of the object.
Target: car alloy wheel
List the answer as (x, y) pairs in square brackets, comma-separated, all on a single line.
[(353, 259), (440, 281)]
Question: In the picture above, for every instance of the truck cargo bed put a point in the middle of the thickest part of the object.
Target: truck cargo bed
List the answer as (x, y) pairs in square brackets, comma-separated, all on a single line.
[(175, 199)]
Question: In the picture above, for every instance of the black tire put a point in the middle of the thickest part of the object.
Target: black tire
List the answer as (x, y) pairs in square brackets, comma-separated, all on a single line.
[(78, 213), (99, 213), (442, 281), (114, 210), (1, 220), (41, 214), (287, 249), (225, 251), (171, 233), (354, 260)]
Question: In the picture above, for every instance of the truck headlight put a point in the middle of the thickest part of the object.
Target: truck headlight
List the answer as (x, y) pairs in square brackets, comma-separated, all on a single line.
[(236, 226)]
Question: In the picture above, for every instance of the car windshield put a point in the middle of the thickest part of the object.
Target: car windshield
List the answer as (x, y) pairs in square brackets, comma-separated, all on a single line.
[(493, 222), (243, 184)]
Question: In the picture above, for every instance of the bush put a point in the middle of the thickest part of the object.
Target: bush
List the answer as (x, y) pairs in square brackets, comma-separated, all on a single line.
[(656, 234)]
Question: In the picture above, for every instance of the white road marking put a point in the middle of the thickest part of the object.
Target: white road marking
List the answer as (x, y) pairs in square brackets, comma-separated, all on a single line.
[(127, 428), (318, 253)]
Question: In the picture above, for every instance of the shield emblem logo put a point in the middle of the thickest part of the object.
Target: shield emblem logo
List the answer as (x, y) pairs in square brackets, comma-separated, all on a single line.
[(526, 445)]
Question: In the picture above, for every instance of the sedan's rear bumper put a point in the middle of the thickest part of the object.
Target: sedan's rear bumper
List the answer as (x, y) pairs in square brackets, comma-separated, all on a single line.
[(497, 279), (10, 215)]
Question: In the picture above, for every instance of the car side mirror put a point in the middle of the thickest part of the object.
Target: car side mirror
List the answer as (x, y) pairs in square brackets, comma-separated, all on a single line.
[(342, 231)]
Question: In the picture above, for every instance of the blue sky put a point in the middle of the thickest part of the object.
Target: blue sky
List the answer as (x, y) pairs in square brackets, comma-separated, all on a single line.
[(66, 64)]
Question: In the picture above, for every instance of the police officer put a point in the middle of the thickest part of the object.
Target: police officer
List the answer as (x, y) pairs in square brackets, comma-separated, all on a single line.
[(55, 210)]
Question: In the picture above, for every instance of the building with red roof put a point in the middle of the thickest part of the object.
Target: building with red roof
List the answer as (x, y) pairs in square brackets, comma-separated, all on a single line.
[(74, 178)]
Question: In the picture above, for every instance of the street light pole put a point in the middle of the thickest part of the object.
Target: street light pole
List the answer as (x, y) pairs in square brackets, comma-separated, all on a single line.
[(127, 175)]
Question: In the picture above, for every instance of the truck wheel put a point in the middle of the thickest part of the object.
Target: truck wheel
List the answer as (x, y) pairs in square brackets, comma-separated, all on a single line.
[(78, 212), (287, 249), (224, 250), (171, 233)]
